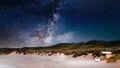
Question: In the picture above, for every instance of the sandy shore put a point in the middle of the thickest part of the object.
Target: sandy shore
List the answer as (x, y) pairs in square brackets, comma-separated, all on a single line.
[(61, 61)]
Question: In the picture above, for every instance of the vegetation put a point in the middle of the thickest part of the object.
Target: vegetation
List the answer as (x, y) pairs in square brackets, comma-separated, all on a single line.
[(76, 49), (114, 59)]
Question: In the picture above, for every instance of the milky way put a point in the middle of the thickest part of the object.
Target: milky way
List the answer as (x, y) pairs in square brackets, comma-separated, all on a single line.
[(50, 28), (57, 21)]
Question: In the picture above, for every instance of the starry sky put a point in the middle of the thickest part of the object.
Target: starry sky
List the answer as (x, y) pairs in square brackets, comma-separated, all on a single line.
[(85, 19)]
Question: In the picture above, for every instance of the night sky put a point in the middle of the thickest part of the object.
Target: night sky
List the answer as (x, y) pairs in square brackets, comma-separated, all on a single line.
[(84, 20)]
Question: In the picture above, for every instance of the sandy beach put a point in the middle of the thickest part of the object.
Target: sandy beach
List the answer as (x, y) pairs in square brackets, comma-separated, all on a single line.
[(61, 61)]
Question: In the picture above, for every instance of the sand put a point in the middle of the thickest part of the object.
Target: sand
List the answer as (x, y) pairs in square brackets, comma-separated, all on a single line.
[(59, 61)]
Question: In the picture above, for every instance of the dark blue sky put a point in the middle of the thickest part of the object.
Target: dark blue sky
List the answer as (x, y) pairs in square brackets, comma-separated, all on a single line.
[(87, 19)]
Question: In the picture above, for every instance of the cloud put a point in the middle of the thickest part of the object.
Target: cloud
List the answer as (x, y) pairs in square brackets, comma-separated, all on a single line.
[(64, 38), (48, 40)]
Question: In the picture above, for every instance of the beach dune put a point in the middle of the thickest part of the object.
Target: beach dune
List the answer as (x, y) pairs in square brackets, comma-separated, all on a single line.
[(59, 61)]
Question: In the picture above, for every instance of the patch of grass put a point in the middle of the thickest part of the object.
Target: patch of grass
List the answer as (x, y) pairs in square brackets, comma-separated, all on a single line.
[(114, 59), (75, 49)]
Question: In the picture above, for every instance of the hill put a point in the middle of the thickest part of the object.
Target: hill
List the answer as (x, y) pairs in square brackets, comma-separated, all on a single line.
[(76, 49)]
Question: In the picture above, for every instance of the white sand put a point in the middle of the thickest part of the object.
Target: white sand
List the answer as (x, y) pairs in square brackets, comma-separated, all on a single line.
[(61, 61)]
